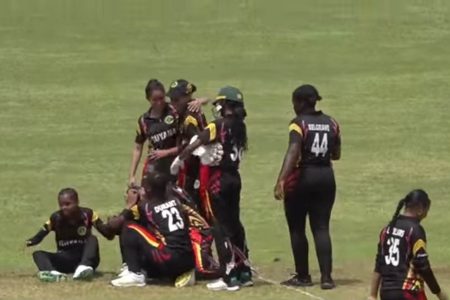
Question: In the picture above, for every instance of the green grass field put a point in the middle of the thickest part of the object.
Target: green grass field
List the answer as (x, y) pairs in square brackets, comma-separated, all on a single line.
[(72, 75)]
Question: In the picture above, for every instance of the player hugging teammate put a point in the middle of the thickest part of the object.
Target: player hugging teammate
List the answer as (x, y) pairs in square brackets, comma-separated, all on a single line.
[(229, 132)]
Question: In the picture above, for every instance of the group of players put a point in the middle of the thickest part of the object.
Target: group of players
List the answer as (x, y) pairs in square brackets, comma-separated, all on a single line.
[(190, 195)]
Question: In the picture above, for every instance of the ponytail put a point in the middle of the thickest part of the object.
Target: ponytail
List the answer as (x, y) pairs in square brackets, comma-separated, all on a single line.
[(400, 205)]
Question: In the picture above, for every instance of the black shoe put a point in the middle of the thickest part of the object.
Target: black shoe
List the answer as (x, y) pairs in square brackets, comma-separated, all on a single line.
[(327, 284), (297, 281)]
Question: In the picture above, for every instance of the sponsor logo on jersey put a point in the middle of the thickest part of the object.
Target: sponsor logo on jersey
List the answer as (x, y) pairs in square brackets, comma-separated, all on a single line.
[(156, 138), (67, 243)]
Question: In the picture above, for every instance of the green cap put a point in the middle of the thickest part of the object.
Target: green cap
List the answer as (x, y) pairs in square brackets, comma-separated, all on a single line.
[(230, 93)]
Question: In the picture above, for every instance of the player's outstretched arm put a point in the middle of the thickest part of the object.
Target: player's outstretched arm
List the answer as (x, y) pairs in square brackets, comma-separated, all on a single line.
[(196, 104), (40, 235), (104, 229)]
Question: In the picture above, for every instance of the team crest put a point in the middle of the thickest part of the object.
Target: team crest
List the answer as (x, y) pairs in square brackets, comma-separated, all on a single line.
[(174, 84), (239, 96), (82, 230), (168, 120)]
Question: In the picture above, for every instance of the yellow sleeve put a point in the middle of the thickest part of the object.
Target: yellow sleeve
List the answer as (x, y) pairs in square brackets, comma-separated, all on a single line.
[(212, 131), (419, 244), (190, 120), (135, 211), (48, 225), (294, 127), (94, 217)]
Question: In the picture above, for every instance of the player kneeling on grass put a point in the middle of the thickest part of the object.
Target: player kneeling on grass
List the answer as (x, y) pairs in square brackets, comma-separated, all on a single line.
[(78, 250), (200, 232), (159, 243), (402, 263)]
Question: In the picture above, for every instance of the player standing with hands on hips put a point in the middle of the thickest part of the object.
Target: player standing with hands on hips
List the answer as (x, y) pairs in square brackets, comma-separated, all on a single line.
[(306, 184), (402, 263)]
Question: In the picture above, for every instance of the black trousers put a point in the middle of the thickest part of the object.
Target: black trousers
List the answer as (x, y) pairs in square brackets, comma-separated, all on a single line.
[(402, 295), (66, 261), (310, 192), (142, 250), (229, 233)]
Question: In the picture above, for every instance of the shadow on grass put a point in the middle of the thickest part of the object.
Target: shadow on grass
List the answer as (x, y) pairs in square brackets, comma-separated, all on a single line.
[(101, 274), (347, 281)]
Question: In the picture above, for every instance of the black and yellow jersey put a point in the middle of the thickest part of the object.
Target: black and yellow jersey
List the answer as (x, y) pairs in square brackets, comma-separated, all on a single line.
[(71, 232), (193, 123), (318, 134), (161, 133), (402, 259), (219, 131), (166, 220)]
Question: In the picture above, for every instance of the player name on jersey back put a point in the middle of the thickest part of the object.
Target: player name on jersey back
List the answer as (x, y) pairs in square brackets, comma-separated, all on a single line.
[(319, 127), (165, 206), (396, 232)]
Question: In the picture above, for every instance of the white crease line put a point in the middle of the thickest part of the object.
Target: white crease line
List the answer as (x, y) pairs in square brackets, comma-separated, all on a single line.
[(291, 288)]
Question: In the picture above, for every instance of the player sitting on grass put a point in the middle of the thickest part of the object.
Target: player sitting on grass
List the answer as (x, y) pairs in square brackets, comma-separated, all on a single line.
[(159, 241), (78, 250), (402, 263)]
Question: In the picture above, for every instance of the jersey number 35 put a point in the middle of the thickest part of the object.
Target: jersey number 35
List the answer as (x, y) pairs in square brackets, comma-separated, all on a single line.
[(393, 258)]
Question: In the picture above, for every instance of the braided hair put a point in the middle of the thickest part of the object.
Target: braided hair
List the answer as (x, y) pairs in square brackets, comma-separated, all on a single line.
[(414, 199)]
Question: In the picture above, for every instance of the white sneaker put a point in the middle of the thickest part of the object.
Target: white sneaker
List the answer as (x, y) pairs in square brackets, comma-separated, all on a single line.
[(57, 273), (83, 273), (123, 271), (221, 285), (131, 279), (123, 267)]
